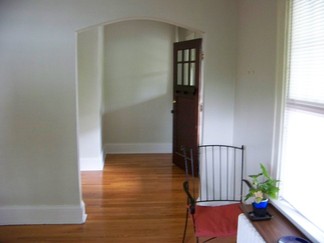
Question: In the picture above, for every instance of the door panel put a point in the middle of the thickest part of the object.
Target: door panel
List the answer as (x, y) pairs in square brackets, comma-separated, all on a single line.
[(187, 61)]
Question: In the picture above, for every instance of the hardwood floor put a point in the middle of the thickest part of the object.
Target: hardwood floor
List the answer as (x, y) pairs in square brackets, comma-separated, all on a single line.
[(137, 198)]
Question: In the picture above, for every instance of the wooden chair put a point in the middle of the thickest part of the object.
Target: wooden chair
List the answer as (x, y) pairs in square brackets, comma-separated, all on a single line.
[(214, 189)]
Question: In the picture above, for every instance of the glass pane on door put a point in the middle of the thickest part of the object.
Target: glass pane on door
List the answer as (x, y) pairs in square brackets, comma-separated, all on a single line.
[(186, 55), (186, 74), (179, 74), (192, 74), (192, 55), (179, 56)]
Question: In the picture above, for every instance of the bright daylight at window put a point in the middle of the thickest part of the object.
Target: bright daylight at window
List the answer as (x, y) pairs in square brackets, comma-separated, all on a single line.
[(302, 151)]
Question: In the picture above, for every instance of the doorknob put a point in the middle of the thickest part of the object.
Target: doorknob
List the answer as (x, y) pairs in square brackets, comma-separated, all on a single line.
[(174, 101)]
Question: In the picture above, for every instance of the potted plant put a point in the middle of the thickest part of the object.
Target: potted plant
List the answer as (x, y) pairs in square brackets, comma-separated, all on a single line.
[(261, 187)]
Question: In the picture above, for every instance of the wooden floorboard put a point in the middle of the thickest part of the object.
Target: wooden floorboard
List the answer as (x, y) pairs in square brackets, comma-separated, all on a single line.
[(136, 198)]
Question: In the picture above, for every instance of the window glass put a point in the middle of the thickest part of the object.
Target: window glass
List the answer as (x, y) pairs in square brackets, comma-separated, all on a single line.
[(302, 157)]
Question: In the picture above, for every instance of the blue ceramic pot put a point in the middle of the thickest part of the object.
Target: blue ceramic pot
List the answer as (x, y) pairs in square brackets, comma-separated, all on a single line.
[(260, 209), (262, 204)]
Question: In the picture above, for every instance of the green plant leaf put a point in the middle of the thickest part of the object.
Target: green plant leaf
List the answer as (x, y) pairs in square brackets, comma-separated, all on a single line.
[(262, 182), (264, 171)]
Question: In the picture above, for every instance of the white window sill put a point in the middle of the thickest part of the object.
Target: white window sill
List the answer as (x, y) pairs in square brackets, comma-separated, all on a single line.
[(306, 227)]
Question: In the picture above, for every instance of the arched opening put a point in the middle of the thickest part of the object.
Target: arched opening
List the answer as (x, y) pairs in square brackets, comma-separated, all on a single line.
[(125, 88)]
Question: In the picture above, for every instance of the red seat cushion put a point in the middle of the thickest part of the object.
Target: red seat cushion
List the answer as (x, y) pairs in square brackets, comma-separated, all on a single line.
[(217, 221)]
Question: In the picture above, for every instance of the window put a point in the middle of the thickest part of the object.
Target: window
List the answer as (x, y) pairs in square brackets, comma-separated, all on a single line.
[(302, 153)]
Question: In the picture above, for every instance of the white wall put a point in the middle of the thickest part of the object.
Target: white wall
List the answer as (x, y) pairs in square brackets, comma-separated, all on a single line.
[(256, 78), (219, 71), (39, 171), (90, 75), (138, 87)]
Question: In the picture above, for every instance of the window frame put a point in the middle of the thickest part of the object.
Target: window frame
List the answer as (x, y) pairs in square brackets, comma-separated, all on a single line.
[(283, 27)]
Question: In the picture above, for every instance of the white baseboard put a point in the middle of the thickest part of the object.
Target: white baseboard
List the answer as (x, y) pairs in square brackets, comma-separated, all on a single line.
[(91, 164), (137, 148), (62, 214)]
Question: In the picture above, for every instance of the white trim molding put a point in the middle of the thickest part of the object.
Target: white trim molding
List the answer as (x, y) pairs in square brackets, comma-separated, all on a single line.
[(92, 164), (137, 148), (60, 214), (305, 226)]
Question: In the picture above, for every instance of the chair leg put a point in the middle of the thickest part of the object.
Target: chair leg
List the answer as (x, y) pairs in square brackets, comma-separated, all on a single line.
[(185, 228)]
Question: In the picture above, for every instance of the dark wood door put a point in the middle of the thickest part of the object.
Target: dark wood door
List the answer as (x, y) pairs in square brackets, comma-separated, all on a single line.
[(186, 71)]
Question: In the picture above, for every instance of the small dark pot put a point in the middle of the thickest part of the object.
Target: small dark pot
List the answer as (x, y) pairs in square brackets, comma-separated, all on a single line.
[(260, 209)]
